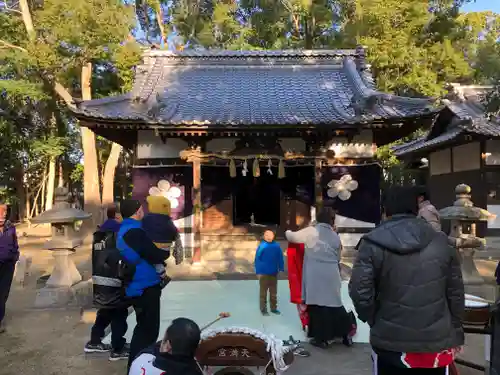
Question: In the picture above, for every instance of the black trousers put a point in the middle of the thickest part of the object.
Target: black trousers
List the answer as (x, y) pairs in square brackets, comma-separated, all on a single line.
[(147, 329), (6, 276), (118, 320)]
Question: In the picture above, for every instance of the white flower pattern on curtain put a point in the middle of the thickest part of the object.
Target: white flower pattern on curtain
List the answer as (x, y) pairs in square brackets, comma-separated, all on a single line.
[(342, 188), (164, 188)]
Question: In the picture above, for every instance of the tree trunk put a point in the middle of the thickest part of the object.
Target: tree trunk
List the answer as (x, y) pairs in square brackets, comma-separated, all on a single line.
[(160, 20), (60, 182), (49, 200), (91, 193), (21, 192), (108, 181), (27, 20), (43, 188), (124, 180), (28, 206)]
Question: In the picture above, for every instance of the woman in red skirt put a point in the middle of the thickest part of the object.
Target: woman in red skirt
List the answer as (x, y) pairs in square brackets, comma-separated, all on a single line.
[(295, 256)]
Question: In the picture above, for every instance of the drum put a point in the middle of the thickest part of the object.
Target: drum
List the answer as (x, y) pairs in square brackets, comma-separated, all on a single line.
[(238, 349), (477, 311)]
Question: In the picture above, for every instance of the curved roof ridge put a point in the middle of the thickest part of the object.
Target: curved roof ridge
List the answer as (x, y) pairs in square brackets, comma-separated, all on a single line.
[(147, 79), (218, 53), (365, 91), (352, 72)]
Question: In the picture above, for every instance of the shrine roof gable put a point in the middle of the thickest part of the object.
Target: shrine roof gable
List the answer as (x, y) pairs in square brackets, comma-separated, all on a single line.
[(464, 115)]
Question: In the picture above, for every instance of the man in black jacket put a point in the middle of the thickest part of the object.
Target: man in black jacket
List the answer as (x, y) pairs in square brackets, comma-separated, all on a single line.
[(174, 355), (108, 290), (407, 285)]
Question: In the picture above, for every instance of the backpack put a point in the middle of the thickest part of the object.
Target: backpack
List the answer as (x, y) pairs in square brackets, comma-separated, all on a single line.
[(105, 253)]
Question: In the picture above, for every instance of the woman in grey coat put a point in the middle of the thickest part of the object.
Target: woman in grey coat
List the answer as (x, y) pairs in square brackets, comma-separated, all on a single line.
[(321, 281)]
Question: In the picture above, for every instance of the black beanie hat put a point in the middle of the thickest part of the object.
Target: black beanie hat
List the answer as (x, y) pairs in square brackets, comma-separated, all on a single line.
[(129, 207)]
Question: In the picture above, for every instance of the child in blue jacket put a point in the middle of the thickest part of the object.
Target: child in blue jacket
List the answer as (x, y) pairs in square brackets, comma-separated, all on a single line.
[(268, 263)]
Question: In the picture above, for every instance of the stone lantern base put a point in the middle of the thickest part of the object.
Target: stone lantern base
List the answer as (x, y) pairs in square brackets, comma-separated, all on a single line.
[(58, 290)]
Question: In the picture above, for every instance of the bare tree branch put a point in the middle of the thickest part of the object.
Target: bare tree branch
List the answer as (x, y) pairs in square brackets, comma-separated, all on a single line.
[(64, 94), (9, 9), (5, 44)]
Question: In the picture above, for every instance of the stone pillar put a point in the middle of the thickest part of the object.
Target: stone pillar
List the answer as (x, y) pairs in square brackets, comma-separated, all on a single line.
[(463, 216), (65, 274), (318, 189)]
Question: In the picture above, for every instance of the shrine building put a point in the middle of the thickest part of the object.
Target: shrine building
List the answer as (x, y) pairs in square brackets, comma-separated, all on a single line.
[(242, 140), (462, 146)]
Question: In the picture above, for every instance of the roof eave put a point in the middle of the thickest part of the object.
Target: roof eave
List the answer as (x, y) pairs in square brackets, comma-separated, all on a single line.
[(149, 124)]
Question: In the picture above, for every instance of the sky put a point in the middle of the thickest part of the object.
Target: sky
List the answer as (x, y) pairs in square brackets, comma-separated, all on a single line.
[(481, 5)]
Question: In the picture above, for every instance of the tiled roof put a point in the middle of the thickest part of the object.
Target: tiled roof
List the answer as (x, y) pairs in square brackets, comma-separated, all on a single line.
[(468, 118), (422, 144), (254, 88), (471, 117)]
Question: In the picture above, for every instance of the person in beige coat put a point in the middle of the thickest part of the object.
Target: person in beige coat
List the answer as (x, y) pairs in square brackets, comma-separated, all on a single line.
[(427, 211), (322, 282)]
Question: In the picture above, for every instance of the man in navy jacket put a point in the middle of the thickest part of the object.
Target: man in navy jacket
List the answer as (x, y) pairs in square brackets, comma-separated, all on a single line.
[(108, 291), (9, 254)]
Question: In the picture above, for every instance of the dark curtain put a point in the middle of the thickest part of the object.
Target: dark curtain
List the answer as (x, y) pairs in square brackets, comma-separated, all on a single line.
[(364, 203), (181, 177), (298, 184), (215, 185)]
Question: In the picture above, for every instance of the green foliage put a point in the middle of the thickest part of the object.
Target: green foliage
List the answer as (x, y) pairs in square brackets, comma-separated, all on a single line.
[(36, 125), (411, 51), (394, 171), (77, 173), (50, 147)]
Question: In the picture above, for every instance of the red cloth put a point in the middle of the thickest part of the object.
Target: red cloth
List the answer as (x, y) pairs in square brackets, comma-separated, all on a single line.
[(428, 360), (295, 255), (303, 315)]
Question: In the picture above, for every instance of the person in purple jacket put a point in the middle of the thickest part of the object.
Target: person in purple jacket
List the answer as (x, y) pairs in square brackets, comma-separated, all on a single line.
[(9, 254)]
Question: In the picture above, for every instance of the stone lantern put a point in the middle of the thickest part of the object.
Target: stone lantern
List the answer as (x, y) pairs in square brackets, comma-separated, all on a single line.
[(464, 216), (63, 242)]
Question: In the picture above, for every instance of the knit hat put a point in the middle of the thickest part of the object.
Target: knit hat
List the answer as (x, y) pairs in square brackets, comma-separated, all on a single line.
[(158, 204), (129, 207)]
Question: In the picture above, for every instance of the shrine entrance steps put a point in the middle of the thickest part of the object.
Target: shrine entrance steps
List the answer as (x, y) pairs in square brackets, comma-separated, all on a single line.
[(234, 254), (231, 253)]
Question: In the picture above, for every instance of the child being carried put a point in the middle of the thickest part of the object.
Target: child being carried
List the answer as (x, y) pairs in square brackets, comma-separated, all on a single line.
[(161, 229)]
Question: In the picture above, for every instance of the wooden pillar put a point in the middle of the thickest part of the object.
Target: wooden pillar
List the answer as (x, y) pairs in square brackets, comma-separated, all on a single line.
[(318, 189), (197, 210)]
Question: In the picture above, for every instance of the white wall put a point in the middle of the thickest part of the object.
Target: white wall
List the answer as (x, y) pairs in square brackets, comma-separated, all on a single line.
[(153, 146), (440, 162), (221, 144), (494, 209), (361, 146), (466, 157), (492, 156)]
